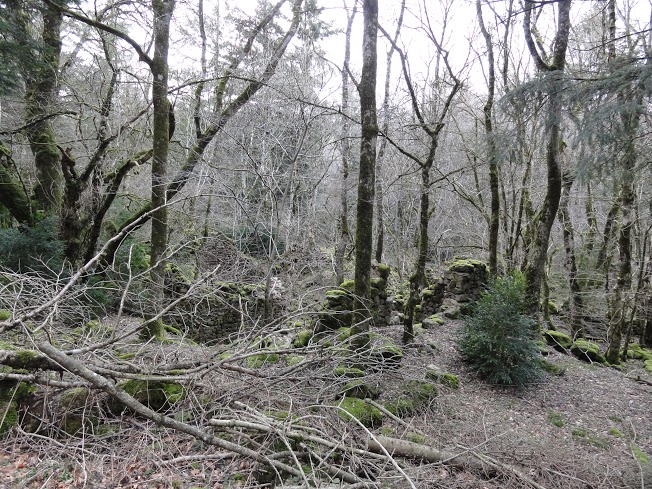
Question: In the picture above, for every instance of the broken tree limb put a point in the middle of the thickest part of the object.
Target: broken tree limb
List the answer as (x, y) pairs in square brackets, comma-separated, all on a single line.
[(409, 449), (27, 360)]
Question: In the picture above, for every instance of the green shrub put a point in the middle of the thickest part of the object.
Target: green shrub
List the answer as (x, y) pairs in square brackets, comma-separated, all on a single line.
[(36, 248), (498, 341)]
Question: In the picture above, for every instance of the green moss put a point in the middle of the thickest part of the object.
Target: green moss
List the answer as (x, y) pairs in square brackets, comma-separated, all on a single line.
[(7, 346), (360, 389), (257, 361), (449, 380), (295, 360), (647, 365), (386, 431), (616, 432), (580, 433), (415, 438), (640, 456), (401, 408), (336, 293), (421, 392), (590, 438), (556, 419), (387, 353), (4, 314), (343, 334), (348, 285), (25, 358), (558, 340), (553, 308), (366, 414), (466, 265), (587, 351), (378, 283), (302, 339), (348, 372), (126, 356), (75, 398), (552, 368), (383, 270), (637, 352), (158, 395), (8, 415)]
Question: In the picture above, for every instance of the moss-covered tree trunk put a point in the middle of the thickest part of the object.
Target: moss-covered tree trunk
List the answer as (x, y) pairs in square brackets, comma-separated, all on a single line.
[(367, 176), (41, 92), (553, 71), (163, 10), (494, 220)]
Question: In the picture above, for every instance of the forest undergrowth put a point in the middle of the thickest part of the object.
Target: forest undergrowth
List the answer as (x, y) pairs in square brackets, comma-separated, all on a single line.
[(588, 427)]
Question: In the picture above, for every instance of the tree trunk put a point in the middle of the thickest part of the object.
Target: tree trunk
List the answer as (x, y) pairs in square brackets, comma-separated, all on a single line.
[(161, 139), (575, 302), (494, 221), (344, 231), (534, 268), (367, 176)]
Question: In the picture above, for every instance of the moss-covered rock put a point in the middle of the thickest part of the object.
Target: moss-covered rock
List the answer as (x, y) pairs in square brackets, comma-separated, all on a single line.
[(386, 354), (587, 351), (421, 392), (302, 338), (257, 361), (157, 395), (348, 285), (383, 270), (348, 372), (432, 321), (449, 380), (552, 369), (351, 407), (637, 352), (558, 340), (401, 408), (466, 265), (360, 389)]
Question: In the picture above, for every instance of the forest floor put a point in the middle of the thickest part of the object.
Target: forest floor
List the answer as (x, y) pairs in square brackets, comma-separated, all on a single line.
[(588, 428)]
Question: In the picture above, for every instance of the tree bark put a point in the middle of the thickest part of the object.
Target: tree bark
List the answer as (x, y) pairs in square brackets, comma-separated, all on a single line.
[(367, 176), (163, 10), (534, 269)]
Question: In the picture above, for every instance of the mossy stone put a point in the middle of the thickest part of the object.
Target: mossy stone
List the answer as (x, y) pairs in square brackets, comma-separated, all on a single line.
[(302, 338), (449, 380), (366, 414), (587, 351), (5, 314), (558, 340), (387, 354), (401, 408), (553, 308), (360, 389), (466, 265), (383, 270), (637, 352), (157, 395), (348, 372), (257, 361), (421, 392), (75, 398), (348, 285), (552, 368)]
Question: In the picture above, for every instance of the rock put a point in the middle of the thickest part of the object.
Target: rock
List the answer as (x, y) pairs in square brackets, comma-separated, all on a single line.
[(361, 390), (449, 380), (558, 340), (587, 351), (451, 308), (352, 408), (432, 321)]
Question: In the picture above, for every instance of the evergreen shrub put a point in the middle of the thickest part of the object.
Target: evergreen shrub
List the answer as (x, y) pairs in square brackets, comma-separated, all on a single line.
[(37, 248), (498, 340)]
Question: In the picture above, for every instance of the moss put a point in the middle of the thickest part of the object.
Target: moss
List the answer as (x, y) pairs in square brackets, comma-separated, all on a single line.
[(647, 365), (25, 358), (449, 380), (616, 432), (295, 360), (126, 356), (466, 265), (258, 361), (415, 438), (8, 415), (158, 395), (4, 314), (587, 351), (353, 408), (401, 408), (76, 398), (7, 346), (302, 338), (421, 392), (348, 372), (640, 456), (348, 285), (589, 438), (344, 334), (387, 431), (558, 340), (336, 293), (556, 419), (361, 390), (378, 283), (552, 368), (383, 270), (637, 352), (553, 308), (387, 353)]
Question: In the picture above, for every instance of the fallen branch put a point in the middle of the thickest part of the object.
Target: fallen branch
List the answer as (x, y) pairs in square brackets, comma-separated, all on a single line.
[(409, 449)]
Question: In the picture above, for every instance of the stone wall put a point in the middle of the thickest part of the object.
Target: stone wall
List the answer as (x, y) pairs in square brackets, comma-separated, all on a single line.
[(221, 309)]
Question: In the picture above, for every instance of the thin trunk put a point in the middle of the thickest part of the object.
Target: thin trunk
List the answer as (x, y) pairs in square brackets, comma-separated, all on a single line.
[(161, 140), (494, 222), (344, 232), (575, 303), (546, 217), (591, 220), (367, 176)]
